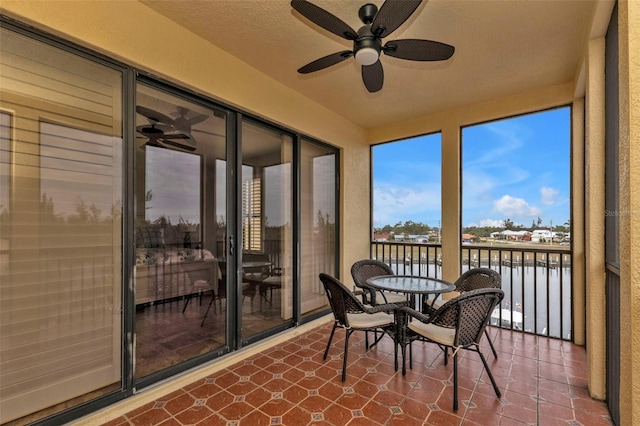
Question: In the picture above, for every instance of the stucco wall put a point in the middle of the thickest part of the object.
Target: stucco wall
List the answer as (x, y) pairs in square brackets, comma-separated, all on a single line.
[(594, 217), (629, 198)]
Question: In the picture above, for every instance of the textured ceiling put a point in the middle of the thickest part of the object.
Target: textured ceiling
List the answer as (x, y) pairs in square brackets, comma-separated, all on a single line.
[(503, 47)]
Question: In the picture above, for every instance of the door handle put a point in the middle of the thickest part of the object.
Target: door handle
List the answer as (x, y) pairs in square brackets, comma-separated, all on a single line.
[(231, 247)]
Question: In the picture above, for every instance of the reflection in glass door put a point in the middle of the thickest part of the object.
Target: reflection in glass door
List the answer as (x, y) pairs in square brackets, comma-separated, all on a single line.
[(266, 223), (318, 218), (60, 229), (180, 291)]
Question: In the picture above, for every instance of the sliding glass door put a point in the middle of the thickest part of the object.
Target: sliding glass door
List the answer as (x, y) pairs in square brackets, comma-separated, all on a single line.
[(180, 290), (265, 252), (144, 229), (318, 225)]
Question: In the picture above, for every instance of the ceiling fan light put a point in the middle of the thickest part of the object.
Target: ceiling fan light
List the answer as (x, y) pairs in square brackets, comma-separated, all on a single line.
[(367, 56)]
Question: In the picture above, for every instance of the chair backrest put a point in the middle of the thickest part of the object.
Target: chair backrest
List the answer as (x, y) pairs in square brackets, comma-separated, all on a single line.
[(364, 269), (256, 257), (341, 300), (469, 314), (476, 278)]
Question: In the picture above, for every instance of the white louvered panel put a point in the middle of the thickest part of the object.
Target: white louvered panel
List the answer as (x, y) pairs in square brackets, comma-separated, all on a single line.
[(60, 293)]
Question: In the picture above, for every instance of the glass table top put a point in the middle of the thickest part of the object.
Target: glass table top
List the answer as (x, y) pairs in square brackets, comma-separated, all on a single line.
[(410, 284)]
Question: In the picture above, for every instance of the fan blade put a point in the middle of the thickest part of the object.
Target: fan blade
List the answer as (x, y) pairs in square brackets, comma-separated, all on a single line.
[(326, 61), (176, 136), (418, 50), (152, 142), (154, 115), (373, 76), (391, 15), (199, 118), (182, 119), (324, 19), (178, 145)]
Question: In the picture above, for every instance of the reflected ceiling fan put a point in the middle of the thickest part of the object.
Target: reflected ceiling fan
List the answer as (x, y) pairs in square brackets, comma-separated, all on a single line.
[(367, 41), (161, 130), (183, 124)]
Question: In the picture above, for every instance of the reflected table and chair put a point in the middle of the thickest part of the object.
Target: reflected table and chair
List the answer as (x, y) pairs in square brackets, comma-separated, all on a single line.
[(417, 290), (260, 276)]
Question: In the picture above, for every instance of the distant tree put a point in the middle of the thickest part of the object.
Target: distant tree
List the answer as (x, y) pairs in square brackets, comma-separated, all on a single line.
[(148, 197), (116, 211), (481, 231), (508, 224)]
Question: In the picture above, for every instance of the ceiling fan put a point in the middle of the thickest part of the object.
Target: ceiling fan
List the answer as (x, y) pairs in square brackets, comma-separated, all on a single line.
[(161, 130), (183, 124), (367, 41)]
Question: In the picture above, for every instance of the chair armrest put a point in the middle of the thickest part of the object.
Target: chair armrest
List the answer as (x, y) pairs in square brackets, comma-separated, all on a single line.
[(417, 315), (381, 308), (363, 294)]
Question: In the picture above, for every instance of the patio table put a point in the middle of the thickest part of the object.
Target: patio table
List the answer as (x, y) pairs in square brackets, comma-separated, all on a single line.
[(413, 286)]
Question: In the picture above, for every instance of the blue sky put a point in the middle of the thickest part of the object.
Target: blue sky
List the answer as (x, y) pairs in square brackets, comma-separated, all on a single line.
[(516, 168)]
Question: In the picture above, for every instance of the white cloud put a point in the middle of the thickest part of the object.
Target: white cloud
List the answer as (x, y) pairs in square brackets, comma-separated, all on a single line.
[(512, 208), (494, 223), (394, 204), (548, 195)]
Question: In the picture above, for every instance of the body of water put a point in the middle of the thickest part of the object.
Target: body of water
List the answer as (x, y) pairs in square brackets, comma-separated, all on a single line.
[(538, 296)]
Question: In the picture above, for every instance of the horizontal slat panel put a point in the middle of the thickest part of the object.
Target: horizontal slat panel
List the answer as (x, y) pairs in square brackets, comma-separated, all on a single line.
[(60, 271), (80, 363)]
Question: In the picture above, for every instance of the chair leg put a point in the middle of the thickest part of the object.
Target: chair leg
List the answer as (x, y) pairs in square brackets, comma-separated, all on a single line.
[(333, 330), (455, 382), (377, 337), (486, 367), (213, 298), (410, 356), (346, 354), (395, 355), (186, 302), (495, 354), (403, 349)]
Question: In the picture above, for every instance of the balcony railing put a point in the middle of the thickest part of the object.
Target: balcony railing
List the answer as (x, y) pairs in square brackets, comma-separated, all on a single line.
[(536, 279)]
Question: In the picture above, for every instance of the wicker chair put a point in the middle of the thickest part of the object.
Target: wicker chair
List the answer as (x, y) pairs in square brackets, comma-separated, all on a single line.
[(364, 269), (351, 314), (473, 279), (458, 324)]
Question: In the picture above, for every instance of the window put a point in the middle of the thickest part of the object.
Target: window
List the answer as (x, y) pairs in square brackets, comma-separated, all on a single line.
[(516, 177), (251, 210), (516, 209), (407, 203)]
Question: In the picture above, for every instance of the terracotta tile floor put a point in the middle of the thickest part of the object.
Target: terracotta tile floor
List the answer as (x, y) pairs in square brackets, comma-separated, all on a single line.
[(542, 382)]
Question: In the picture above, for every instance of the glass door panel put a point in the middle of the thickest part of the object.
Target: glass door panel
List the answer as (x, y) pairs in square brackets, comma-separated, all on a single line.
[(60, 229), (317, 223), (180, 288), (266, 194)]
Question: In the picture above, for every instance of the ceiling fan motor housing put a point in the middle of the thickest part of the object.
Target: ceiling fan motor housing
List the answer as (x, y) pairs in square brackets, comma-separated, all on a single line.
[(367, 47)]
